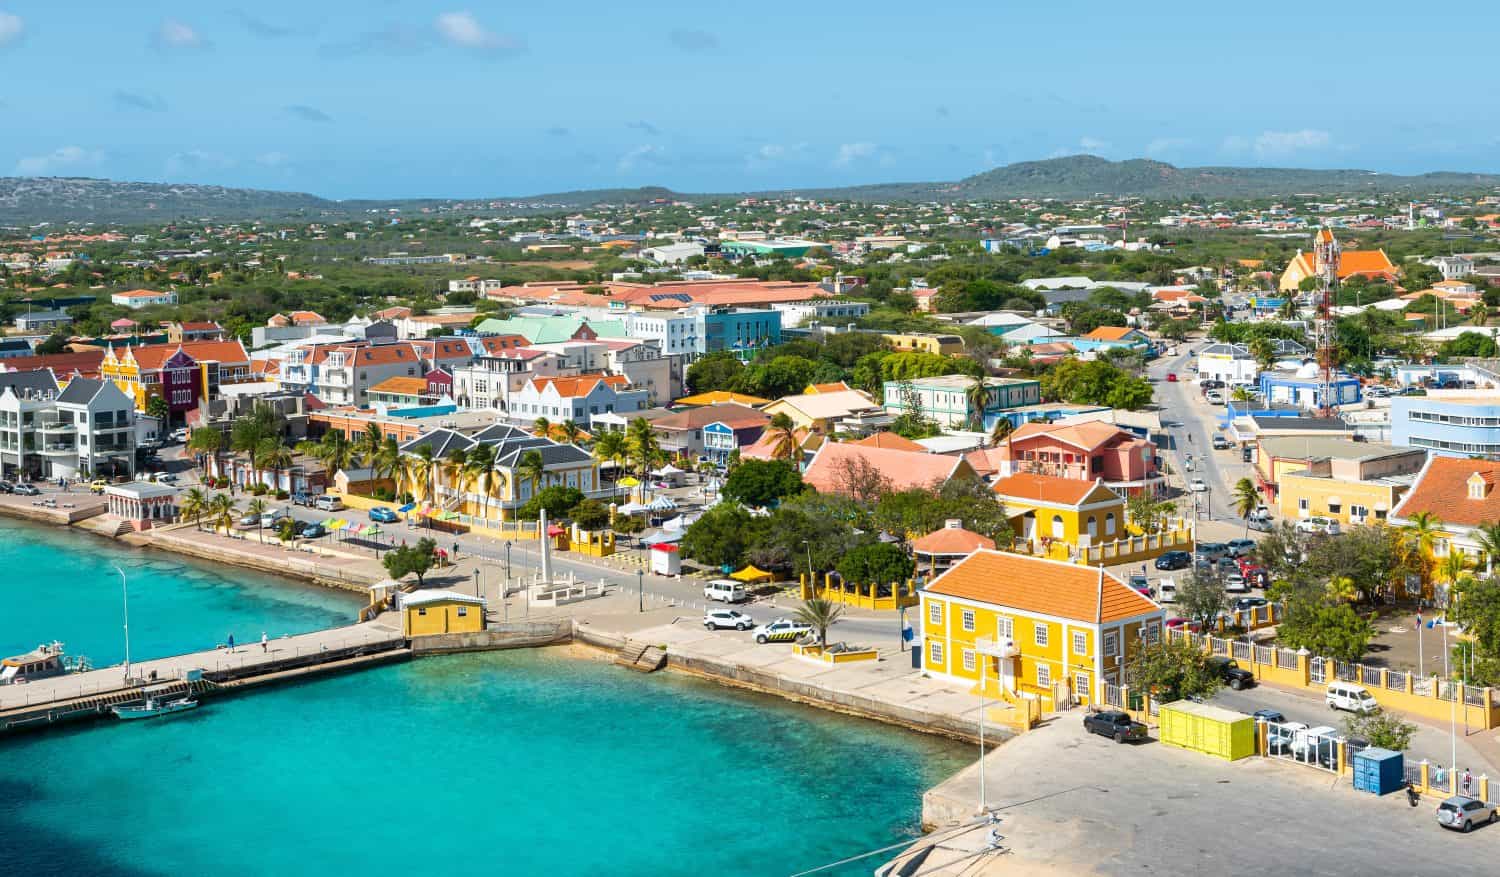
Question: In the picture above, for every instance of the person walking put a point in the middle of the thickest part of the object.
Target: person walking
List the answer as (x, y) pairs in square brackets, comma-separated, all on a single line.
[(231, 643), (263, 644), (1468, 782)]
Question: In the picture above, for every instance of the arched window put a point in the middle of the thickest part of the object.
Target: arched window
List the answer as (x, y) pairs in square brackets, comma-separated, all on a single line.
[(1057, 527), (1093, 527), (1109, 524)]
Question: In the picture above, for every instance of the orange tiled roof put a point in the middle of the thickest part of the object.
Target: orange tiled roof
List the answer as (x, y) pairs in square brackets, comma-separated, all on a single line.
[(582, 385), (1045, 488), (1043, 587), (834, 387), (1109, 333), (1086, 436), (904, 470), (402, 385), (892, 441), (1442, 490), (494, 344), (951, 540), (383, 354), (154, 356)]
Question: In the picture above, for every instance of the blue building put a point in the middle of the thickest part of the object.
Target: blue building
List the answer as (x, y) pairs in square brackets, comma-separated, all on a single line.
[(1452, 425), (1304, 388), (742, 331)]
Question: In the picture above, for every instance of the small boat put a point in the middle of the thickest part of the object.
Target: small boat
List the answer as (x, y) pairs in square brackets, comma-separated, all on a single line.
[(43, 662), (154, 707)]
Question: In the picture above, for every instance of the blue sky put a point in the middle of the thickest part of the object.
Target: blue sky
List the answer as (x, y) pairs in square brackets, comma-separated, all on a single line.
[(407, 99)]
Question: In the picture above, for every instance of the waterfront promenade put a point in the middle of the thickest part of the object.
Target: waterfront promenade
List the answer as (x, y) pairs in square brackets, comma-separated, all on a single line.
[(244, 659)]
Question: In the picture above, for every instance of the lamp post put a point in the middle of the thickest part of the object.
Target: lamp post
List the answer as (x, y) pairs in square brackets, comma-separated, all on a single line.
[(507, 567), (125, 595), (812, 584), (640, 590), (984, 664)]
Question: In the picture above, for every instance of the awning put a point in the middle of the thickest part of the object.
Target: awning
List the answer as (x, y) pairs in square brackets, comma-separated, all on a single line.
[(661, 536), (554, 530), (1333, 500), (752, 573), (632, 508), (662, 504), (664, 546), (406, 508), (628, 481), (668, 469)]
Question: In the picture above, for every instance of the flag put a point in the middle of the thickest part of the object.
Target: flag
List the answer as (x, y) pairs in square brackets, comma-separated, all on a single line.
[(1437, 622)]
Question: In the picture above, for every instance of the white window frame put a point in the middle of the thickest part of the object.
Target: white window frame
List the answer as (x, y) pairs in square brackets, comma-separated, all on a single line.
[(969, 662), (1043, 676), (1111, 644), (934, 612), (967, 617), (1082, 686), (1005, 627), (1040, 635), (935, 652), (1080, 642)]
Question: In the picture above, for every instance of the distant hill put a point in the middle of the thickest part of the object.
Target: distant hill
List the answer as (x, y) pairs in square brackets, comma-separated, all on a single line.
[(25, 200)]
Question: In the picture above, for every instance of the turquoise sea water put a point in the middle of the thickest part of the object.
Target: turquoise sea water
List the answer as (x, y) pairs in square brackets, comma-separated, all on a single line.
[(513, 763), (61, 585)]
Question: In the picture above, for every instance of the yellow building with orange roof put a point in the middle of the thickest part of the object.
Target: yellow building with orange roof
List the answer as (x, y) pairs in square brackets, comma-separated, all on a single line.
[(1029, 628), (719, 397), (1373, 264)]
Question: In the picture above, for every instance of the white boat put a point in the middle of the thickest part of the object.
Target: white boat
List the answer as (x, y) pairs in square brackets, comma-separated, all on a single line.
[(154, 707)]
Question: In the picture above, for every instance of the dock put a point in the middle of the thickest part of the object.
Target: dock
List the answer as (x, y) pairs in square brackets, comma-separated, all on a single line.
[(211, 673)]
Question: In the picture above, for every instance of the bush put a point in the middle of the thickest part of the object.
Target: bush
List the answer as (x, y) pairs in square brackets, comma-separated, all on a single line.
[(282, 494), (259, 489), (384, 494)]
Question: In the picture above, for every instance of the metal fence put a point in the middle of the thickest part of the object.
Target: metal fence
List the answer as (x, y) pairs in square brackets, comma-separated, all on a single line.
[(1369, 675), (1220, 646), (1440, 779), (1113, 697), (1286, 659), (1293, 743), (1153, 706), (1345, 671), (1447, 689), (1412, 771), (1318, 670), (1473, 696), (1240, 650), (1422, 685), (1262, 654), (1395, 680)]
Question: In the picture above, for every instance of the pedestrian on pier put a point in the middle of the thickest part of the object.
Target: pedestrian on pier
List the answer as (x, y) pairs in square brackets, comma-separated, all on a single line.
[(231, 643), (263, 646)]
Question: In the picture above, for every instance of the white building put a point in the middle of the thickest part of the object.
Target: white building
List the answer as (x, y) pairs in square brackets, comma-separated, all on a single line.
[(673, 254), (574, 398), (794, 314), (88, 428), (143, 298)]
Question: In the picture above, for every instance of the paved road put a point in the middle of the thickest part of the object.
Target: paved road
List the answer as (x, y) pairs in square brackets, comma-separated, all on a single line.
[(1192, 423)]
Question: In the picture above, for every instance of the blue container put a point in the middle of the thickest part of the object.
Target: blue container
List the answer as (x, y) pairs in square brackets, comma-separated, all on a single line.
[(1379, 771)]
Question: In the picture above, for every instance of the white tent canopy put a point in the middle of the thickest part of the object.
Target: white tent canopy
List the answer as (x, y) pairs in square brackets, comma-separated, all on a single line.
[(668, 470), (633, 508), (662, 504)]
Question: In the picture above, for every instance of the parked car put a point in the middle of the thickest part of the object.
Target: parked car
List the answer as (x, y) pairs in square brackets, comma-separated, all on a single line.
[(1197, 485), (26, 489), (1214, 397), (725, 591), (1114, 724), (328, 502), (1166, 591), (1211, 550), (163, 477), (782, 630), (1261, 525), (1316, 524), (1247, 454), (715, 619), (179, 435), (311, 530), (383, 515), (1462, 813), (1174, 560), (273, 517), (302, 498), (1233, 674), (1268, 715), (1236, 583), (1140, 583), (1240, 547), (1350, 697), (1187, 624), (1378, 392), (1171, 377), (1245, 604), (7, 487), (1221, 443)]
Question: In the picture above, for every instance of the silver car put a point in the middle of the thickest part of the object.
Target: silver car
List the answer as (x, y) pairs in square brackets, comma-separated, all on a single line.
[(1462, 813)]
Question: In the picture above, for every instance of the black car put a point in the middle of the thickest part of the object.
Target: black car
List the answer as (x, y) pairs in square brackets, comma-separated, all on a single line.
[(1244, 604), (1269, 715), (1114, 723), (311, 530), (7, 487), (1233, 674), (1174, 560)]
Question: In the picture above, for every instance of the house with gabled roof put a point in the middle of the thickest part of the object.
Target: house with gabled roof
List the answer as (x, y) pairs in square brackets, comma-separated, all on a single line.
[(836, 465), (1015, 627), (499, 495), (577, 398), (1088, 451)]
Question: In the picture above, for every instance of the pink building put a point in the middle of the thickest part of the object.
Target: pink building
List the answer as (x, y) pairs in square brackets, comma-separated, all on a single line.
[(1084, 451)]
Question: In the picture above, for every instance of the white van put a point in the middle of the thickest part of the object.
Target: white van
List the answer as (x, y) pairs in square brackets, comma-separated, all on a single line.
[(328, 502), (725, 590), (1166, 591), (1351, 698)]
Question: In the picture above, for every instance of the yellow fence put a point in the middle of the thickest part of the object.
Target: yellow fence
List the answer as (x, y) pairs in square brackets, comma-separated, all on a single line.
[(861, 596), (1131, 549), (1395, 690)]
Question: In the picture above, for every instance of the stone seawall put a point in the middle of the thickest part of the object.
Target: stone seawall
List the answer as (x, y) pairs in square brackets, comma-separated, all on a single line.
[(289, 566), (510, 635)]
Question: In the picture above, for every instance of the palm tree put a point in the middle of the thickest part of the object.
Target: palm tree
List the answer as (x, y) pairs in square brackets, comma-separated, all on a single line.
[(977, 395), (456, 471), (370, 441), (532, 469), (250, 433), (335, 451), (783, 437), (479, 470), (1487, 538), (271, 454), (1422, 534), (388, 462), (258, 508), (541, 428), (1240, 394), (570, 431), (820, 615), (642, 446), (1456, 568), (205, 442), (1263, 351), (609, 446), (194, 503), (1288, 310), (1003, 428), (1479, 313), (422, 468), (1246, 500), (222, 511)]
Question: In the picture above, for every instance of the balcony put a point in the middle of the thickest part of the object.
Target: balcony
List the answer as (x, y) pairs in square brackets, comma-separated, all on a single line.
[(55, 449), (63, 427)]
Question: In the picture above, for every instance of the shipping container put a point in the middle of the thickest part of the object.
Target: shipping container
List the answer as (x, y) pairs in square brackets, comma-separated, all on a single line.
[(1208, 729), (1379, 771)]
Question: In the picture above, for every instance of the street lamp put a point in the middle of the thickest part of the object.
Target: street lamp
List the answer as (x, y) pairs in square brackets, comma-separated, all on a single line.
[(125, 595), (813, 585), (640, 590), (507, 567), (476, 581)]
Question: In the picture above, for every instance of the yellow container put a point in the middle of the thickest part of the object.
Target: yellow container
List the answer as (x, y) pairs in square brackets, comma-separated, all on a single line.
[(1208, 729)]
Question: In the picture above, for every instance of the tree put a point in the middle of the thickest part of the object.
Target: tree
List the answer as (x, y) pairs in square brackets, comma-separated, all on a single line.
[(1171, 669), (222, 512), (1479, 615), (782, 437), (1384, 730), (715, 371), (977, 398), (1479, 314), (193, 504), (1264, 352), (721, 536), (590, 514), (541, 428), (557, 500), (762, 482), (257, 507), (1331, 631), (570, 431), (532, 469), (782, 376), (1148, 512), (411, 559), (642, 447), (479, 470), (1246, 501), (1469, 344), (876, 563), (334, 451), (820, 615), (1003, 428), (157, 407), (57, 342), (205, 442), (609, 447), (1201, 598), (286, 530)]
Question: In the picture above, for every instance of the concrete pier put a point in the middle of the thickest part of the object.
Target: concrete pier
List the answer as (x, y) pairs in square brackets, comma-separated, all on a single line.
[(85, 695)]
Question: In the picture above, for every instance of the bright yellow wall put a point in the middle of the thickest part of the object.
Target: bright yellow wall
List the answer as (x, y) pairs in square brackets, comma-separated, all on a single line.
[(1316, 491), (441, 617)]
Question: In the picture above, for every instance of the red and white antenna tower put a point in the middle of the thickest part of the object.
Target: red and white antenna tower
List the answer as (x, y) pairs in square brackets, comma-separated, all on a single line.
[(1326, 254)]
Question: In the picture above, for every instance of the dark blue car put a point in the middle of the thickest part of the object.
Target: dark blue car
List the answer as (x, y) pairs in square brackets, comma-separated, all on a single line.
[(383, 515), (1174, 560)]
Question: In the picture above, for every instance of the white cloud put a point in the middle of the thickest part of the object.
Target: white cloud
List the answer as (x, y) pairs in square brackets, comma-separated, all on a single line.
[(1092, 144), (61, 159), (849, 153), (641, 154), (173, 34), (11, 28), (463, 30), (1272, 143), (1166, 144)]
